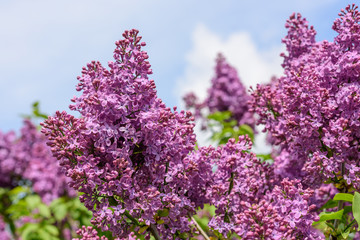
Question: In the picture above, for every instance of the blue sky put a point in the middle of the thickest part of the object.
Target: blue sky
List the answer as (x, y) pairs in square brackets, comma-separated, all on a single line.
[(44, 44)]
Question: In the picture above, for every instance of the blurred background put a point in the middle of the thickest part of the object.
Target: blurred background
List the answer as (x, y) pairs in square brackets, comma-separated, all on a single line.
[(44, 44)]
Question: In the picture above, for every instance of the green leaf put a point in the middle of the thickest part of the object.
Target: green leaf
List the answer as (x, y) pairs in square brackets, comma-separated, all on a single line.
[(33, 201), (60, 212), (210, 208), (183, 236), (143, 229), (246, 130), (220, 116), (161, 221), (43, 235), (321, 226), (18, 210), (163, 213), (329, 216), (264, 157), (36, 111), (347, 209), (44, 210), (27, 229), (343, 197), (345, 234), (52, 230), (57, 201), (356, 208), (112, 201), (329, 204)]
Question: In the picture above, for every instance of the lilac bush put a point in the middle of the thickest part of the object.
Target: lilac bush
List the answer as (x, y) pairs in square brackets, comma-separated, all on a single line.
[(138, 169), (284, 213)]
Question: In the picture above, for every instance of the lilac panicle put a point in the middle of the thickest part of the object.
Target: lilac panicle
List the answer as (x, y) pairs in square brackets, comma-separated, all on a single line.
[(238, 176), (226, 93), (29, 158), (285, 213), (312, 111), (125, 149), (8, 165), (248, 202)]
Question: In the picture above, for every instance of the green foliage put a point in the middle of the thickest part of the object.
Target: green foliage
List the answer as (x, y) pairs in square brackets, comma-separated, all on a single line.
[(204, 215), (340, 224), (223, 128), (265, 158), (356, 208), (36, 113), (324, 216), (38, 220), (344, 197)]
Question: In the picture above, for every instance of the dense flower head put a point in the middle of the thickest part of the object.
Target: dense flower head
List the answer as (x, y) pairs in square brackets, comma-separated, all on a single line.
[(313, 110), (89, 233), (322, 194), (28, 158), (285, 213), (299, 39), (226, 93), (124, 151), (237, 176), (8, 165)]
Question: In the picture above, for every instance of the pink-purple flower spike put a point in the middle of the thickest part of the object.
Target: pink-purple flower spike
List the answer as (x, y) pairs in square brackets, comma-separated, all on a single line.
[(123, 152), (312, 111), (227, 93)]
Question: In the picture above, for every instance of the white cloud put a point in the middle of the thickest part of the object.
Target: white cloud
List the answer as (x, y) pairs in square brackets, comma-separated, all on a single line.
[(253, 66)]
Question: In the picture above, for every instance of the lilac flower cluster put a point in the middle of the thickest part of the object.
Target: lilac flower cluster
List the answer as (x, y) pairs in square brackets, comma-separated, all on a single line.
[(312, 111), (27, 158), (247, 198), (89, 233), (123, 152), (239, 176), (8, 167), (227, 93), (284, 213)]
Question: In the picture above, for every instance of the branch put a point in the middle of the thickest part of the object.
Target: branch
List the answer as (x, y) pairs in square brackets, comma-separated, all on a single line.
[(203, 233), (154, 232)]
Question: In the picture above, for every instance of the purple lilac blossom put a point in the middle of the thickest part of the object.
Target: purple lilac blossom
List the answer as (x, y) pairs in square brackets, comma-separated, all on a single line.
[(238, 176), (7, 163), (227, 93), (29, 158), (89, 233), (285, 213), (312, 111), (126, 152)]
